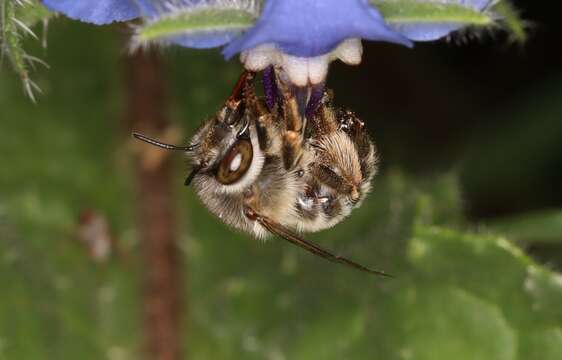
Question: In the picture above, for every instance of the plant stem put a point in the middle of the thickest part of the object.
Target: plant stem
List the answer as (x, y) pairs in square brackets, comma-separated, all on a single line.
[(147, 112)]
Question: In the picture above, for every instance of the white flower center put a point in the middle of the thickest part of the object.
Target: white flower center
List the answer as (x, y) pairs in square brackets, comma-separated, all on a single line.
[(302, 71)]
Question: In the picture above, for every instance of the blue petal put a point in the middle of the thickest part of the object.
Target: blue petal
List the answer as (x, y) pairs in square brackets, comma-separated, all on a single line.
[(475, 4), (157, 8), (151, 8), (430, 32), (95, 11), (308, 28), (425, 32)]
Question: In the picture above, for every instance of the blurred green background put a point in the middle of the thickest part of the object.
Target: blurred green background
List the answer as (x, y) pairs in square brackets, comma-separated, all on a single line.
[(466, 212)]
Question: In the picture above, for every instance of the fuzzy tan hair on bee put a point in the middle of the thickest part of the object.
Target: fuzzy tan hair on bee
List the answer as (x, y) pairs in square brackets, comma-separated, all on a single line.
[(280, 171)]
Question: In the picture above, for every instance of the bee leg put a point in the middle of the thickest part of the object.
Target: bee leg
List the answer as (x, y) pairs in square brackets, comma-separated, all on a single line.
[(366, 149), (291, 149), (235, 105), (368, 160), (323, 121), (237, 94), (284, 233), (259, 110), (316, 97), (293, 136), (256, 105), (294, 127), (264, 138), (290, 102), (354, 127), (293, 120), (327, 176)]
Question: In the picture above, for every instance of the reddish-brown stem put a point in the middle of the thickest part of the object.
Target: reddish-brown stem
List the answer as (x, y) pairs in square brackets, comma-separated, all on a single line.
[(146, 111)]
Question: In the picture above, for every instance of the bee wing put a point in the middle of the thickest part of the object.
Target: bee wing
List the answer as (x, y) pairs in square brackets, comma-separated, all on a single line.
[(294, 239)]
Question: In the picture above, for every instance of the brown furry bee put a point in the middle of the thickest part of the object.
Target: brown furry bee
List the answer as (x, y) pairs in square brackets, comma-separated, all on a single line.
[(266, 169)]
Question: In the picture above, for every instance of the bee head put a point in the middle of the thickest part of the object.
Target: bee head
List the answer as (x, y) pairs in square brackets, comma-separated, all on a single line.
[(228, 158), (224, 152)]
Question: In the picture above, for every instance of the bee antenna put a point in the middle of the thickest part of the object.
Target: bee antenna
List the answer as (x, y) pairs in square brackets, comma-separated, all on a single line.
[(192, 174), (162, 145)]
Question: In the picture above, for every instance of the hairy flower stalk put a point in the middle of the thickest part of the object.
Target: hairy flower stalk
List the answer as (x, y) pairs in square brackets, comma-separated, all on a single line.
[(16, 19)]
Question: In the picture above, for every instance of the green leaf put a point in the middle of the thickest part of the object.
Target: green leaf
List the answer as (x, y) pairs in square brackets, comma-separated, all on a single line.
[(456, 295), (542, 344), (536, 227), (197, 21), (404, 12), (345, 327), (497, 272), (445, 322)]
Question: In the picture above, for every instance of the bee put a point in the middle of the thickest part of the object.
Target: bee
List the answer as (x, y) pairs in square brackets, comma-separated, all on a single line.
[(265, 169)]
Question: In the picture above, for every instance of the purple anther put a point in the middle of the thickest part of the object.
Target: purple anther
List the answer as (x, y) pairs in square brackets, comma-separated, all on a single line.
[(270, 87)]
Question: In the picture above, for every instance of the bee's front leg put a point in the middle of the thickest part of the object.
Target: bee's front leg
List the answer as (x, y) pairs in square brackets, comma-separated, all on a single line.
[(292, 128), (291, 149), (355, 129), (293, 135)]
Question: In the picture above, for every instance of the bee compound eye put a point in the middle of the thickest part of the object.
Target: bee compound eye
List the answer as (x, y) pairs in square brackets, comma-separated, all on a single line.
[(236, 162)]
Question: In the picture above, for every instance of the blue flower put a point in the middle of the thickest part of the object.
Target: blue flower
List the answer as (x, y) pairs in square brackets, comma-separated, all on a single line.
[(303, 28), (309, 28), (97, 12), (301, 36)]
